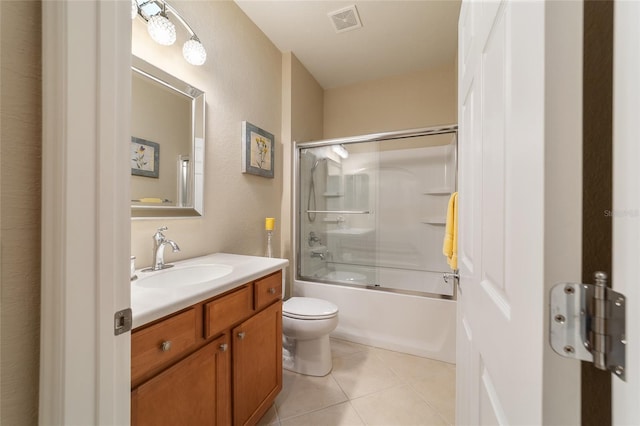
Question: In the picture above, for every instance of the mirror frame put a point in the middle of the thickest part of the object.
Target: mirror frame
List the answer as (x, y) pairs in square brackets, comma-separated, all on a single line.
[(196, 172)]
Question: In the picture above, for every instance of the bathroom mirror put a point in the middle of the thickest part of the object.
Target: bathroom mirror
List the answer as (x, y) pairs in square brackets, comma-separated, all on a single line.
[(167, 144)]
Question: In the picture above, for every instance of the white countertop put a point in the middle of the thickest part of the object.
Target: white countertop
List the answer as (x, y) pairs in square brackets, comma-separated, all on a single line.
[(150, 304)]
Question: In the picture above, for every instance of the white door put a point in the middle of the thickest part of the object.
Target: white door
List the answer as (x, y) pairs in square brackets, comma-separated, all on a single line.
[(508, 118), (84, 367), (626, 201)]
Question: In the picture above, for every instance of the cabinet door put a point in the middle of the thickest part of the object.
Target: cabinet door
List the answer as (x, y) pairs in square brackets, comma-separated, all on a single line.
[(195, 391), (257, 364)]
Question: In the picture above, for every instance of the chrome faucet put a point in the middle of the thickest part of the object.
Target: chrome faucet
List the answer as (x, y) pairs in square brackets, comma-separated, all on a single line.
[(159, 241)]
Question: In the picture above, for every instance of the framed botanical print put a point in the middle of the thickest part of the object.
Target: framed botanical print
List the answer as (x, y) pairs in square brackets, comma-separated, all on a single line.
[(145, 158), (257, 151)]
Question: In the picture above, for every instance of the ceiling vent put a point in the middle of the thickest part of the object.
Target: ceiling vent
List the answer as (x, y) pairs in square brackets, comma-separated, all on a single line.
[(346, 19)]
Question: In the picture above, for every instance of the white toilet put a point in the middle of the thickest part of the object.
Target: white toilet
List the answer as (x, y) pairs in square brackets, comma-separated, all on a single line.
[(306, 324)]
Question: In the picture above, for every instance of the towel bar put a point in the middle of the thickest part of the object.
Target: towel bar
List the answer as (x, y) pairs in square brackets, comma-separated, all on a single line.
[(340, 211)]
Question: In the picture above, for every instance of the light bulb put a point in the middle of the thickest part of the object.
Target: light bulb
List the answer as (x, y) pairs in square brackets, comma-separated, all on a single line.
[(134, 9), (162, 30), (194, 52)]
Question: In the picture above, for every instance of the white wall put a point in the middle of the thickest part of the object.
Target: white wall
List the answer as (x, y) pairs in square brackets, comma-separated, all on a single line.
[(242, 80)]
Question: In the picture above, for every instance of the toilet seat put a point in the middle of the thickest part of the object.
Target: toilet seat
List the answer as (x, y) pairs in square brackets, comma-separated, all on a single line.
[(308, 308)]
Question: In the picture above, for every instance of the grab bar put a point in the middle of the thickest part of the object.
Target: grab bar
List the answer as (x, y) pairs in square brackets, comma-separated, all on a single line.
[(340, 211)]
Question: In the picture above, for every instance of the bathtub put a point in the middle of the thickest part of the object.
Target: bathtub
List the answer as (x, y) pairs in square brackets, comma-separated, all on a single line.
[(418, 325)]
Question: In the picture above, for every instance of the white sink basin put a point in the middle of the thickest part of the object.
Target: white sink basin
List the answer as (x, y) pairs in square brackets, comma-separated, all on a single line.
[(184, 276)]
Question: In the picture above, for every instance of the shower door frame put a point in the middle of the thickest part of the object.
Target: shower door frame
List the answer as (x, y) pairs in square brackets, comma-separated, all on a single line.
[(296, 211)]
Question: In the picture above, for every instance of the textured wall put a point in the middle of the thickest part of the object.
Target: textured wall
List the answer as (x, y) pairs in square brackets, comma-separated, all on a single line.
[(20, 183), (420, 99), (242, 79), (302, 120)]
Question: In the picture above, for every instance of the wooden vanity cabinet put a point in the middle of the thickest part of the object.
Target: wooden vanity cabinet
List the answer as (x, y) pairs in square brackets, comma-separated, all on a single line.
[(194, 391), (218, 362), (257, 349)]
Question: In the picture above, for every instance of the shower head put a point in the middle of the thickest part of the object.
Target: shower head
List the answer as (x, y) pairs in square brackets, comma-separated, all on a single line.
[(313, 168)]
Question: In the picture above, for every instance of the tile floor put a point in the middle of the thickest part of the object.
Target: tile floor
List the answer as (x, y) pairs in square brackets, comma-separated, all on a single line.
[(368, 386)]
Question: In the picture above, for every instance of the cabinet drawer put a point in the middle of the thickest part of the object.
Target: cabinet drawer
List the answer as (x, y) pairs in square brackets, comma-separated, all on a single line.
[(162, 342), (228, 310), (267, 290)]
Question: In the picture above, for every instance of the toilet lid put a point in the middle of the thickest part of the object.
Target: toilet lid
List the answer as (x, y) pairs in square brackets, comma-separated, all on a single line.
[(308, 308)]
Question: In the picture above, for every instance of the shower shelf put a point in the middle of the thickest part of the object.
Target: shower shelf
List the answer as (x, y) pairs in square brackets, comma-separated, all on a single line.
[(438, 191), (434, 220), (339, 211)]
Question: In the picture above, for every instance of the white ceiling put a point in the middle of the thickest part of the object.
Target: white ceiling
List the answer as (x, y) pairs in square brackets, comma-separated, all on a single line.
[(396, 37)]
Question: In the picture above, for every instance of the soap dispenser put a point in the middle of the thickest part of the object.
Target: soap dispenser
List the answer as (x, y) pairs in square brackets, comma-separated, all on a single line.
[(268, 226)]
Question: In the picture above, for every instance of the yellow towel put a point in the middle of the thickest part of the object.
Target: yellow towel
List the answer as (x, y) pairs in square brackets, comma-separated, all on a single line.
[(450, 244)]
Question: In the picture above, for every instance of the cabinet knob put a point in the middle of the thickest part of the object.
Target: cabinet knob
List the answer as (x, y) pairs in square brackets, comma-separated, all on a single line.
[(241, 335), (223, 347), (165, 346), (272, 290)]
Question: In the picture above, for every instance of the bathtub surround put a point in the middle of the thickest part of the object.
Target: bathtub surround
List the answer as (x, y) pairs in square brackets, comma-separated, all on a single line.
[(371, 238)]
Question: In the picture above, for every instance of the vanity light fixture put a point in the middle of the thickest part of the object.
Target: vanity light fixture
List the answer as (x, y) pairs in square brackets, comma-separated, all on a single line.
[(163, 31)]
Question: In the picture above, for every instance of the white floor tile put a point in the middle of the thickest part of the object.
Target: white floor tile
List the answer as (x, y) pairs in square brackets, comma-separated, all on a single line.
[(439, 391), (337, 415), (270, 418), (302, 394), (341, 348), (397, 406), (362, 373), (368, 386), (410, 367)]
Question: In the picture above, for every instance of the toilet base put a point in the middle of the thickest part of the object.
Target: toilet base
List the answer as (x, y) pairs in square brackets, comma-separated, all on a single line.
[(310, 357)]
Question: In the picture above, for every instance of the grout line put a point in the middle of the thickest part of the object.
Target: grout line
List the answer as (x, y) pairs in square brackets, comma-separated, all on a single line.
[(357, 413), (428, 402), (386, 387), (315, 410)]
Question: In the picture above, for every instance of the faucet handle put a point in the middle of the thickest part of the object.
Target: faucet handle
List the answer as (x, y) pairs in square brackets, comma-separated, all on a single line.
[(162, 228)]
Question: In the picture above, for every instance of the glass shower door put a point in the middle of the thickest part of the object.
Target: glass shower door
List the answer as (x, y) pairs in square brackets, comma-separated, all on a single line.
[(372, 214)]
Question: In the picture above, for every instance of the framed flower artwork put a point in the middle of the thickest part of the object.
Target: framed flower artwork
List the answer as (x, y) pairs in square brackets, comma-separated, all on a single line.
[(257, 150), (145, 158)]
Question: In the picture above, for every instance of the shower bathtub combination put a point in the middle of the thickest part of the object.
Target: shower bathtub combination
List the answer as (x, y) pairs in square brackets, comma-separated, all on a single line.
[(369, 221)]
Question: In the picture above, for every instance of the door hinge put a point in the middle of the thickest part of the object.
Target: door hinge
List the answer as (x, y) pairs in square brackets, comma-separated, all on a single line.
[(588, 323), (122, 321)]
